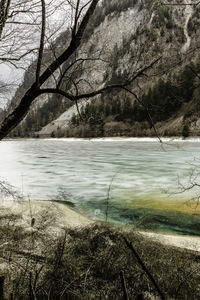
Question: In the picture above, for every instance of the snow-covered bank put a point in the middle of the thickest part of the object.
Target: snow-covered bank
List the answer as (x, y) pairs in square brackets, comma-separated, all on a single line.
[(180, 241), (128, 139), (113, 139), (57, 216)]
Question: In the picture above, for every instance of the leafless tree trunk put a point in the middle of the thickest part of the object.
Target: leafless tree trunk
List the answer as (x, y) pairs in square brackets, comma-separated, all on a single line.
[(4, 10), (20, 112)]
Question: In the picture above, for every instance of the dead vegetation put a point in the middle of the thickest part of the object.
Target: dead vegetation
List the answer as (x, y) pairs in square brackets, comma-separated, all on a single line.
[(94, 262)]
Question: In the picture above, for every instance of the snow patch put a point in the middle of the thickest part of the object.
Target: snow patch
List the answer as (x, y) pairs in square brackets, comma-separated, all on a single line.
[(188, 14)]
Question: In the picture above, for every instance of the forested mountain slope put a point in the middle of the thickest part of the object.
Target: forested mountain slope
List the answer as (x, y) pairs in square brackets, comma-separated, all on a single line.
[(123, 38)]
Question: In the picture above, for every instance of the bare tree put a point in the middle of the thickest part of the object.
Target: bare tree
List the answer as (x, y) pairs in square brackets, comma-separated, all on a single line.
[(21, 30), (81, 13)]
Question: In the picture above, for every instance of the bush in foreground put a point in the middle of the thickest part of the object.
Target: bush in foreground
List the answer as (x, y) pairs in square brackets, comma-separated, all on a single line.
[(86, 264)]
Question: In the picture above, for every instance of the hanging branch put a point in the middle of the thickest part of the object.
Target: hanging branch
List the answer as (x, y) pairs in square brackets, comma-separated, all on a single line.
[(75, 19), (41, 49), (13, 118)]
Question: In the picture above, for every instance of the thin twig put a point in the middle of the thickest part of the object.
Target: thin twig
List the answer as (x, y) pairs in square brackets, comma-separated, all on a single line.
[(149, 275), (124, 285)]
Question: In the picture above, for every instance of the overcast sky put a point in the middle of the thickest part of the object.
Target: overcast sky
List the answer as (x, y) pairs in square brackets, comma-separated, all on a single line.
[(58, 21)]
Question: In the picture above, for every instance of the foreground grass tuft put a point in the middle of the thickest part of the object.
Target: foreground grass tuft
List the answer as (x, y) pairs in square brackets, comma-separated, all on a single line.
[(86, 264)]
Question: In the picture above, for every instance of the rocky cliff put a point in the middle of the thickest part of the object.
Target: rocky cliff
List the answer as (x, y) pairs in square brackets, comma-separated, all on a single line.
[(122, 39)]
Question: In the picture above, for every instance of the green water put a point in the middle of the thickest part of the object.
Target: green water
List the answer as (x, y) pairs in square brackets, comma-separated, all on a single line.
[(135, 180)]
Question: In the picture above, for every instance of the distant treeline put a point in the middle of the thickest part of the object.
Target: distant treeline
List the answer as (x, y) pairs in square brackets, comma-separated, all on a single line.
[(161, 102)]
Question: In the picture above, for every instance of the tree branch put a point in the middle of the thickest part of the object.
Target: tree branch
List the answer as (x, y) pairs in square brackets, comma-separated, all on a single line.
[(76, 19), (130, 246), (9, 59), (75, 43), (147, 110), (41, 49), (13, 119)]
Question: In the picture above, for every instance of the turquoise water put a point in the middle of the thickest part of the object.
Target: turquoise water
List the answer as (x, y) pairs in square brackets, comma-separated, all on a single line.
[(138, 178)]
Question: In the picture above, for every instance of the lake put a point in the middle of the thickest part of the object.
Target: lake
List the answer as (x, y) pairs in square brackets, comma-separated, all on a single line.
[(133, 181)]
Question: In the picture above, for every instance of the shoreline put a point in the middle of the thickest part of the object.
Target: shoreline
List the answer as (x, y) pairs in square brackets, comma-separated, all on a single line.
[(55, 214), (112, 139), (186, 242), (58, 216)]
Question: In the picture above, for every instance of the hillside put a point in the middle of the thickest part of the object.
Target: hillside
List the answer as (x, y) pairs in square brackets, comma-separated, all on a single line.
[(122, 39)]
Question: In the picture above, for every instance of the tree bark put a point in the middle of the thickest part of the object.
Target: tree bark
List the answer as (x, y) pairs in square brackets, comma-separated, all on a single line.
[(4, 9)]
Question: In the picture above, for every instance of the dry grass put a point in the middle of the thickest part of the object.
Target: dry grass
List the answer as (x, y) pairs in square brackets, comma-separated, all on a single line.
[(86, 264)]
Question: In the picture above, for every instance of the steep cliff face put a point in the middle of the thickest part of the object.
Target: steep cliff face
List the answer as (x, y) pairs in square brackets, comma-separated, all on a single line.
[(121, 40)]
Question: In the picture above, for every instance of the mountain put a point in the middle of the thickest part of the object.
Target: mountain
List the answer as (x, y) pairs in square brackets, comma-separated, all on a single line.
[(121, 39)]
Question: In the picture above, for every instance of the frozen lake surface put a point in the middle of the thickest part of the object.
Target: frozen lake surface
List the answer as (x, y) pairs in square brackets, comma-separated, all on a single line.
[(139, 176)]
